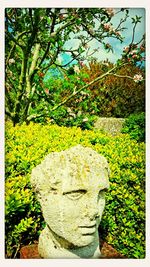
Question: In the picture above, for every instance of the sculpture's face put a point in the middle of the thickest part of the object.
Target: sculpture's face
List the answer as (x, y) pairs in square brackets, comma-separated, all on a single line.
[(73, 210)]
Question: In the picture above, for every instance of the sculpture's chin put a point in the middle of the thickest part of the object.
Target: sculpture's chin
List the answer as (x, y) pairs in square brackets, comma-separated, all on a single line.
[(86, 240)]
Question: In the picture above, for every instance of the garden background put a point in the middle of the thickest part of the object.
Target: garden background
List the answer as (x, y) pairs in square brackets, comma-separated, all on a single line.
[(56, 88)]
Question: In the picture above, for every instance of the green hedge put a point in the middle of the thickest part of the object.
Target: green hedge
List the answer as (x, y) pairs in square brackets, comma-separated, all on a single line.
[(135, 126), (123, 222)]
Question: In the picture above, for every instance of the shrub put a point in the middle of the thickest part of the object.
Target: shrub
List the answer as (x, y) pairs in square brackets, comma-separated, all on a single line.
[(114, 96), (123, 220), (69, 118), (135, 126)]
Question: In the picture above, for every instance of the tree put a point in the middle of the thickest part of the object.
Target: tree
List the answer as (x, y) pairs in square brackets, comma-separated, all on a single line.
[(37, 37), (117, 95)]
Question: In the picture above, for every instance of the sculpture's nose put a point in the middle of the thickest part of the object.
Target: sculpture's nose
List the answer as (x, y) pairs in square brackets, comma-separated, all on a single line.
[(94, 213), (92, 209)]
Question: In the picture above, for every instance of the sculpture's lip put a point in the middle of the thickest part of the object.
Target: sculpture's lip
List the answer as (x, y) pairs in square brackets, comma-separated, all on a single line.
[(88, 226), (88, 230)]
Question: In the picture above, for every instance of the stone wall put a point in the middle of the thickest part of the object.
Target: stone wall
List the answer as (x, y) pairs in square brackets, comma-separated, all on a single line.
[(112, 126)]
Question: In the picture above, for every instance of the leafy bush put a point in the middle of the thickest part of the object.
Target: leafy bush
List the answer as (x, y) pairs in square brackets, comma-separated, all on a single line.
[(123, 220), (83, 121), (135, 126), (114, 96)]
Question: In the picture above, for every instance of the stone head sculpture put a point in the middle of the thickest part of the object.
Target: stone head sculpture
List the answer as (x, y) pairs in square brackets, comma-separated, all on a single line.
[(70, 186)]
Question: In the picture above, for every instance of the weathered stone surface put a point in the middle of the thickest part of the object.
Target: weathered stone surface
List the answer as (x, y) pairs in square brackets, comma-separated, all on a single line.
[(70, 188), (112, 126)]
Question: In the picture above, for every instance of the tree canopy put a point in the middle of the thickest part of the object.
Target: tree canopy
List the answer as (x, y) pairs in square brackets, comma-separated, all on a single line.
[(37, 37)]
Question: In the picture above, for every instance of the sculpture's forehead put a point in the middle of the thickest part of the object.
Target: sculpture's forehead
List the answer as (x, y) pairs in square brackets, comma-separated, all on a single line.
[(72, 170), (84, 176)]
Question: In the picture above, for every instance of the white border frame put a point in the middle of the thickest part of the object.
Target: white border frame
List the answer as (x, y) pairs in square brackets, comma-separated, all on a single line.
[(61, 262)]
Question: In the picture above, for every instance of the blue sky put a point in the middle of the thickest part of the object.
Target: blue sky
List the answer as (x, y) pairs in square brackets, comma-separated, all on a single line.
[(117, 46)]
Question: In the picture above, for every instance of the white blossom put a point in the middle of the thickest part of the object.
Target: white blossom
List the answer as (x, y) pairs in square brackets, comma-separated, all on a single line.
[(138, 78), (91, 30), (133, 52), (11, 61), (79, 113), (76, 69), (108, 27), (85, 119), (82, 93), (86, 46), (69, 110), (110, 11), (126, 49)]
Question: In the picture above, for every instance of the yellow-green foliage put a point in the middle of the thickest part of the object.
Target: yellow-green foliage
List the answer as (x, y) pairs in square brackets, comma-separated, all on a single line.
[(123, 220)]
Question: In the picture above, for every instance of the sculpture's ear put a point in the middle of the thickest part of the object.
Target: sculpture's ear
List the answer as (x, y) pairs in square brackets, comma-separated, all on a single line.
[(36, 179), (108, 173)]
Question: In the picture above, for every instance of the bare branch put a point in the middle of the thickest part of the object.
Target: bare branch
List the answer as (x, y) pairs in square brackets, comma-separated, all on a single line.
[(123, 76), (16, 40), (75, 92), (9, 55), (34, 60), (8, 113)]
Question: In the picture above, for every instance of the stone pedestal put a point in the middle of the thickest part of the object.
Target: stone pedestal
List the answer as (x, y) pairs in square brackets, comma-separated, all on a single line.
[(108, 252)]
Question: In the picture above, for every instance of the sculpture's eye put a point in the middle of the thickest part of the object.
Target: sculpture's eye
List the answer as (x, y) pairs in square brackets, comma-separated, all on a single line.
[(75, 194)]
